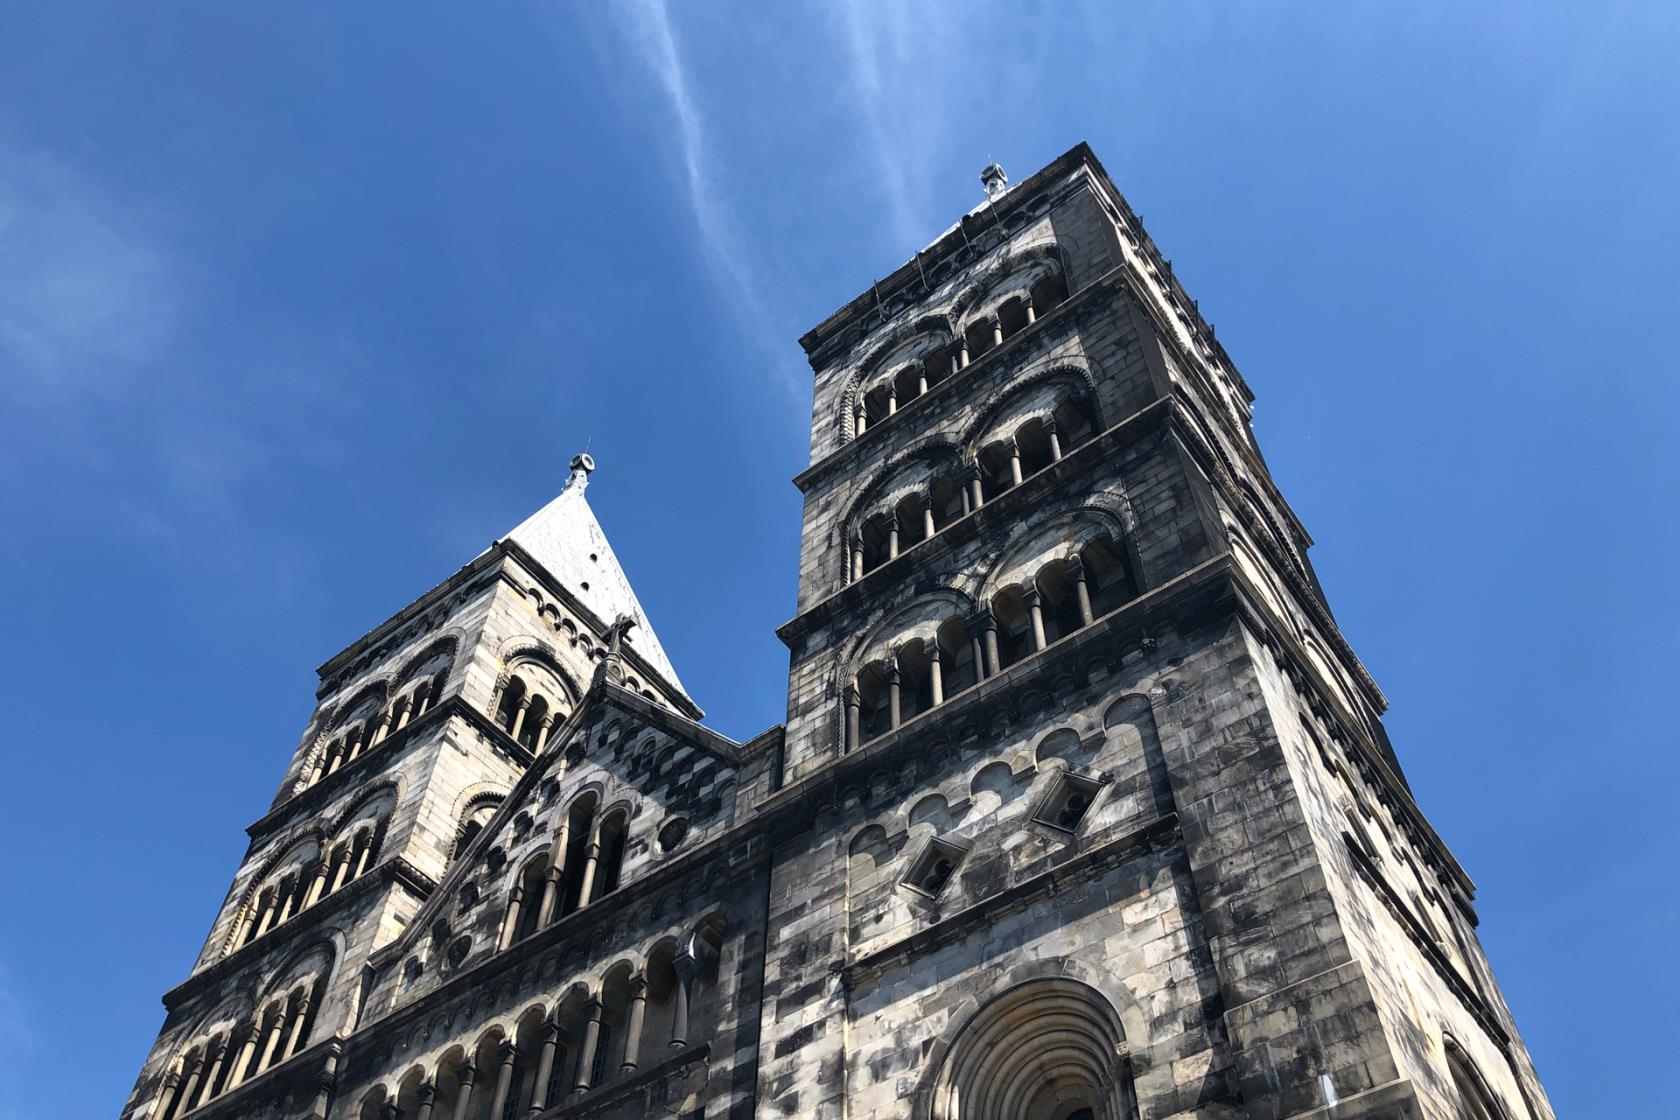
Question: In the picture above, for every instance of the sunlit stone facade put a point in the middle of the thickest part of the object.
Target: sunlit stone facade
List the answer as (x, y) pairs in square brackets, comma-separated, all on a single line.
[(1082, 809)]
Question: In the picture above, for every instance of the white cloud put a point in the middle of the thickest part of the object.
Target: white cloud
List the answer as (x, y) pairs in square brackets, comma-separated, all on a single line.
[(648, 28), (87, 293)]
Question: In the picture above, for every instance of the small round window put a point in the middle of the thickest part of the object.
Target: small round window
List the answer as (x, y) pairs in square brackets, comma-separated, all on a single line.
[(672, 833)]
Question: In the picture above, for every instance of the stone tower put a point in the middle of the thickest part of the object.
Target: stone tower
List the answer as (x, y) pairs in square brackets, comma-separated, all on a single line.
[(1083, 808)]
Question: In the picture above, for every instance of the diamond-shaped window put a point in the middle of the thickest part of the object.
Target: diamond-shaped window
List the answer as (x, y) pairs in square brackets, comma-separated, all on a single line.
[(931, 870), (1069, 801)]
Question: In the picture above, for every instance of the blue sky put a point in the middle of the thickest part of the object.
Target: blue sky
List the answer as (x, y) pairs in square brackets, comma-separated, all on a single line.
[(302, 305)]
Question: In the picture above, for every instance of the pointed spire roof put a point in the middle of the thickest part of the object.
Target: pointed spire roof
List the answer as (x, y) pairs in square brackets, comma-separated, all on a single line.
[(565, 539)]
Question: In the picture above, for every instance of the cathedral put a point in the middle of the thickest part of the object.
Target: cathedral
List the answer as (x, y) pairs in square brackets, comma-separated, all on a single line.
[(1082, 808)]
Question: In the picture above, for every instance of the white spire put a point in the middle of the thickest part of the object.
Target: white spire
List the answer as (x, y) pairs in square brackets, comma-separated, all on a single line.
[(567, 541)]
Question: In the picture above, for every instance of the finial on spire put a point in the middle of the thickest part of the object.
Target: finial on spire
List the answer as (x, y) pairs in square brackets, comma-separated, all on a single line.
[(582, 464), (994, 180)]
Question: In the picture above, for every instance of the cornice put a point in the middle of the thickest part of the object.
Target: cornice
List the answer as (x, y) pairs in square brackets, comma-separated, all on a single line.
[(853, 448), (954, 240), (311, 1063), (312, 798), (1191, 594), (394, 870), (462, 576), (976, 522)]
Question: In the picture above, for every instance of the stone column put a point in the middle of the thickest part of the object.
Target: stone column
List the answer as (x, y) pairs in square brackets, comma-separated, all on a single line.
[(392, 1111), (1014, 461), (217, 1051), (1051, 430), (893, 698), (976, 489), (272, 1041), (997, 331), (921, 377), (403, 709), (246, 920), (242, 1064), (892, 398), (325, 1082), (1032, 312), (544, 725), (380, 729), (335, 757), (194, 1066), (988, 623), (962, 352), (357, 739), (545, 1066), (266, 910), (1081, 590), (977, 651), (892, 537), (364, 852), (422, 699), (686, 967), (465, 1076), (300, 1016), (287, 895), (519, 716), (508, 1053), (854, 712), (586, 1053), (428, 1098), (318, 769), (341, 859), (860, 419), (591, 860), (510, 921), (936, 679), (927, 515), (633, 1025), (857, 557), (318, 886), (555, 872), (1035, 609), (166, 1095)]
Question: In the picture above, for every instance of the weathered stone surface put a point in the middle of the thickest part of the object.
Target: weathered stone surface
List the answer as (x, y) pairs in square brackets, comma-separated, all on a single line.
[(1145, 851)]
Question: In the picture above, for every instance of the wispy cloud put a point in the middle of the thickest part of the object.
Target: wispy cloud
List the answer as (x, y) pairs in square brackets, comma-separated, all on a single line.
[(879, 42), (17, 1038), (650, 32), (88, 291)]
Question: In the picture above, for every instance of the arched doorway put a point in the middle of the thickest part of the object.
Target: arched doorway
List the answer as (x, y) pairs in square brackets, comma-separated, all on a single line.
[(1050, 1049)]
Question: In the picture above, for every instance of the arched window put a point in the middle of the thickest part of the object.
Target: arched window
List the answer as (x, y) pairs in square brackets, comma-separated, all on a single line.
[(507, 713), (1049, 1049), (1475, 1100), (614, 831), (580, 822)]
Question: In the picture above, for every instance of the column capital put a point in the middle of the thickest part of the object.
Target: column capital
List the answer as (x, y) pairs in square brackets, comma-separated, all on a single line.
[(507, 1052), (466, 1073), (428, 1092), (984, 618), (686, 965), (552, 1030), (1075, 565), (850, 692), (932, 650), (525, 701), (638, 987), (922, 499), (1030, 594)]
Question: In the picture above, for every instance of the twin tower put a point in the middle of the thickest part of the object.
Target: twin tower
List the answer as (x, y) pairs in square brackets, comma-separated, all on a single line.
[(1083, 808)]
